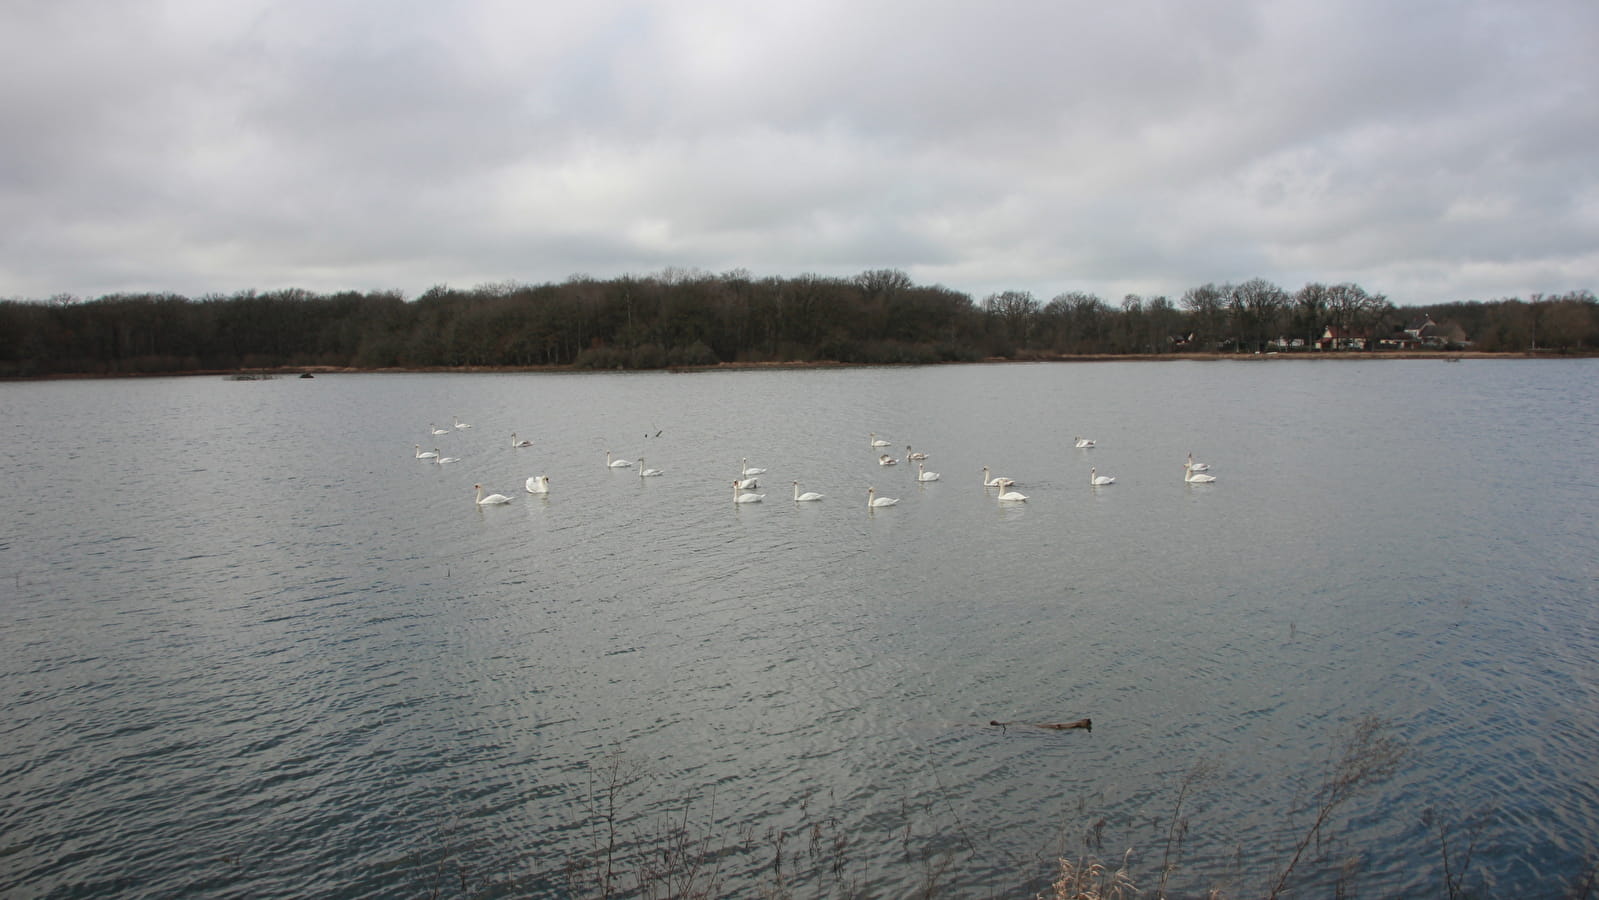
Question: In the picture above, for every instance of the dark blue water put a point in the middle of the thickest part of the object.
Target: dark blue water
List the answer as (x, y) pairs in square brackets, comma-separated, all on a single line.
[(253, 647)]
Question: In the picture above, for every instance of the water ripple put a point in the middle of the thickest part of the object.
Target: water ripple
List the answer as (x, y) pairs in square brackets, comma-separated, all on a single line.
[(294, 658)]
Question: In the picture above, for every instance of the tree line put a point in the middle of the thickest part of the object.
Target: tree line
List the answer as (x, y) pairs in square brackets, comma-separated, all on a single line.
[(691, 318)]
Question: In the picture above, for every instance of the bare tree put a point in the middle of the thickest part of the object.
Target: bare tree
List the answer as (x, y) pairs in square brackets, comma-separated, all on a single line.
[(1016, 311), (1207, 308), (1310, 312), (1256, 305)]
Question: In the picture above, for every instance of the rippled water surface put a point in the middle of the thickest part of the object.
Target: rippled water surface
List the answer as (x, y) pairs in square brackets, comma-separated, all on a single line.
[(253, 647)]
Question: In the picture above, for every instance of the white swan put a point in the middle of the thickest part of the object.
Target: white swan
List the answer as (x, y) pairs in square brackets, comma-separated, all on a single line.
[(745, 484), (910, 454), (995, 480), (1084, 443), (875, 502), (441, 460), (886, 460), (808, 495), (459, 423), (749, 469), (1096, 479), (923, 475), (1196, 466), (436, 430), (538, 484), (746, 498), (425, 454), (1013, 496), (877, 441), (647, 473), (490, 500), (616, 463), (524, 442), (1192, 477)]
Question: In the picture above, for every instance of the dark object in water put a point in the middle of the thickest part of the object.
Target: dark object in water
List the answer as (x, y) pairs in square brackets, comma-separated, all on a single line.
[(306, 375), (1087, 724)]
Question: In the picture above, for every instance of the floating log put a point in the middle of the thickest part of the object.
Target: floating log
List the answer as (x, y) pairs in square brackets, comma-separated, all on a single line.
[(1087, 724)]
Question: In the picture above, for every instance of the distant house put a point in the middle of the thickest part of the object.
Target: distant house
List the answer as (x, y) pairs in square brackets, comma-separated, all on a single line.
[(1419, 327), (1399, 339), (1337, 337), (1424, 332), (1434, 335)]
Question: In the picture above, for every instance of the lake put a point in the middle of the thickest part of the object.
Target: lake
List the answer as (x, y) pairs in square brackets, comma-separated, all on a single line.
[(254, 647)]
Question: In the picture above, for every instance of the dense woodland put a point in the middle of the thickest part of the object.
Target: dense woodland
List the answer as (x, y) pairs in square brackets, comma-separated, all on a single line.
[(680, 318)]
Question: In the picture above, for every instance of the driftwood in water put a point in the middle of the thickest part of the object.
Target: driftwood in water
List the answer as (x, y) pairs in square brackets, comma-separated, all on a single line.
[(1087, 724)]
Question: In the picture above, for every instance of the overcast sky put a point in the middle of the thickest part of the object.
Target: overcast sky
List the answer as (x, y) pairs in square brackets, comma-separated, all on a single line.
[(1430, 151)]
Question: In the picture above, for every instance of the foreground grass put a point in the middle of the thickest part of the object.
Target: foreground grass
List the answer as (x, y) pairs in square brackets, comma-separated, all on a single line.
[(673, 857)]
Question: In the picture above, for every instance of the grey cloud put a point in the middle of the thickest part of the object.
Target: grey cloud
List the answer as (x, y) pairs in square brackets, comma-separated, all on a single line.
[(1430, 151)]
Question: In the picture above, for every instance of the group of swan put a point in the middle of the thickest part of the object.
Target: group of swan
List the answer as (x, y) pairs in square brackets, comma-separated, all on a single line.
[(1193, 473), (1004, 484), (996, 480), (436, 456), (538, 484), (747, 479), (741, 488)]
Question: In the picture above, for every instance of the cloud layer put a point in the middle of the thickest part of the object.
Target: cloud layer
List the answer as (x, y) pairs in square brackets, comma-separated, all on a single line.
[(1430, 151)]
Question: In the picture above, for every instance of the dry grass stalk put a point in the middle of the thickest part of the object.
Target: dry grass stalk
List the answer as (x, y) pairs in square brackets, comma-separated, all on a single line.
[(1090, 880), (1367, 755)]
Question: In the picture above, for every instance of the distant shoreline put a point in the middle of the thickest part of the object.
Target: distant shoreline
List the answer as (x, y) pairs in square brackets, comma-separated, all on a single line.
[(1298, 356)]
